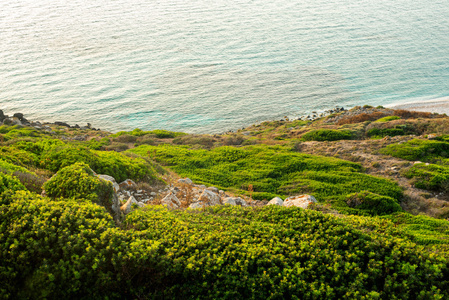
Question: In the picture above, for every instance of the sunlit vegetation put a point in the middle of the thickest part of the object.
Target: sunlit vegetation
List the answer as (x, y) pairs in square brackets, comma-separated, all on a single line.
[(355, 243)]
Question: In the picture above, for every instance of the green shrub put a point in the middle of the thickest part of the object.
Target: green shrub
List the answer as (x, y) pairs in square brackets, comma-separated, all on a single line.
[(388, 118), (426, 150), (54, 155), (9, 183), (70, 250), (16, 131), (376, 132), (78, 182), (18, 157), (430, 177), (95, 144), (373, 203), (327, 135), (62, 156)]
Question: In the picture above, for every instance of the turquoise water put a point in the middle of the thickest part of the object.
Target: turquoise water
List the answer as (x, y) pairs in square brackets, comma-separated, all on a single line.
[(211, 66)]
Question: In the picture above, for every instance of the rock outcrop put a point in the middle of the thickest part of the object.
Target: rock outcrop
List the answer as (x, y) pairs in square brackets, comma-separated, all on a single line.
[(171, 201)]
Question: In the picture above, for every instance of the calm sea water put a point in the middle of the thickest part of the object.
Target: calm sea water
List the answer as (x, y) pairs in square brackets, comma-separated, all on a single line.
[(211, 66)]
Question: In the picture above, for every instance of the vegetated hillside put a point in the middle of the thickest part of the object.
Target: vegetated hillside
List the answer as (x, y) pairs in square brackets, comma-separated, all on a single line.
[(378, 231)]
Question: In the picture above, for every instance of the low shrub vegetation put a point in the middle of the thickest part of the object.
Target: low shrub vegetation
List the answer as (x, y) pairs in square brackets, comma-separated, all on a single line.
[(78, 182), (272, 171), (71, 249), (327, 135), (372, 203)]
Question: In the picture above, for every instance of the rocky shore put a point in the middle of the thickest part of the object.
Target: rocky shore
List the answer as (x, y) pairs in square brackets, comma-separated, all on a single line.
[(19, 119)]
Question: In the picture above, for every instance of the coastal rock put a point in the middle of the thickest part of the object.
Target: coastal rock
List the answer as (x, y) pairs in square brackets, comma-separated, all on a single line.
[(235, 201), (171, 201), (8, 121), (302, 201), (128, 183), (186, 181), (19, 116), (276, 201), (196, 205), (209, 198), (111, 180), (16, 121), (230, 201), (2, 116), (127, 207), (62, 124)]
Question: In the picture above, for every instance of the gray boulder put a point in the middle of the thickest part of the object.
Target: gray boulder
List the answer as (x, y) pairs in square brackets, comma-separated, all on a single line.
[(276, 201), (171, 201), (235, 201), (186, 181), (128, 183), (209, 198), (196, 205), (111, 180), (213, 189)]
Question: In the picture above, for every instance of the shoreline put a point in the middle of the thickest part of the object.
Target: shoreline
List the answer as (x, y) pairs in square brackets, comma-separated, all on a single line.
[(439, 105)]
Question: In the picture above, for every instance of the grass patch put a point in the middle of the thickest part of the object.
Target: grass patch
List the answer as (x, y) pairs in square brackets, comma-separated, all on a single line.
[(271, 170), (327, 135)]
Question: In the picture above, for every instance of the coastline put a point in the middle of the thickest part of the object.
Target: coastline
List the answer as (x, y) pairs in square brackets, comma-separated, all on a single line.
[(440, 105)]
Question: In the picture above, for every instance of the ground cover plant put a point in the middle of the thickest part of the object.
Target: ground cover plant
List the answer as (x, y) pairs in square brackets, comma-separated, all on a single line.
[(271, 171), (327, 135)]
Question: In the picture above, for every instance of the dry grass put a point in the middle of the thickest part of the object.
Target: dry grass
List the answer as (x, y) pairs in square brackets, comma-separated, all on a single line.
[(361, 118)]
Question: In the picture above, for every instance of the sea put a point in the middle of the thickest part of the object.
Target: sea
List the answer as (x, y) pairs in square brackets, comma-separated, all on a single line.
[(209, 66)]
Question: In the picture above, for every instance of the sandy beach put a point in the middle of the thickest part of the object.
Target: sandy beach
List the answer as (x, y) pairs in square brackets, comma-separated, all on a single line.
[(440, 106)]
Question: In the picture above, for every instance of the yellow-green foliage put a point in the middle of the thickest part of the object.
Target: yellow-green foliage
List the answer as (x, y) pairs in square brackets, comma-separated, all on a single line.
[(54, 155), (372, 203), (78, 182), (10, 168), (158, 133), (12, 132), (272, 171), (327, 135), (18, 157), (9, 183), (386, 119), (67, 249), (431, 177), (416, 149), (121, 166)]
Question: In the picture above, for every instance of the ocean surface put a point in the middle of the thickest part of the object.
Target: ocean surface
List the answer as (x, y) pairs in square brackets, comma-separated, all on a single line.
[(211, 66)]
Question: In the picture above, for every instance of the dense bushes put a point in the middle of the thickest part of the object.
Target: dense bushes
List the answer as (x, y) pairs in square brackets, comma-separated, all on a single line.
[(68, 249), (327, 135), (372, 203), (9, 183), (54, 155), (78, 182)]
